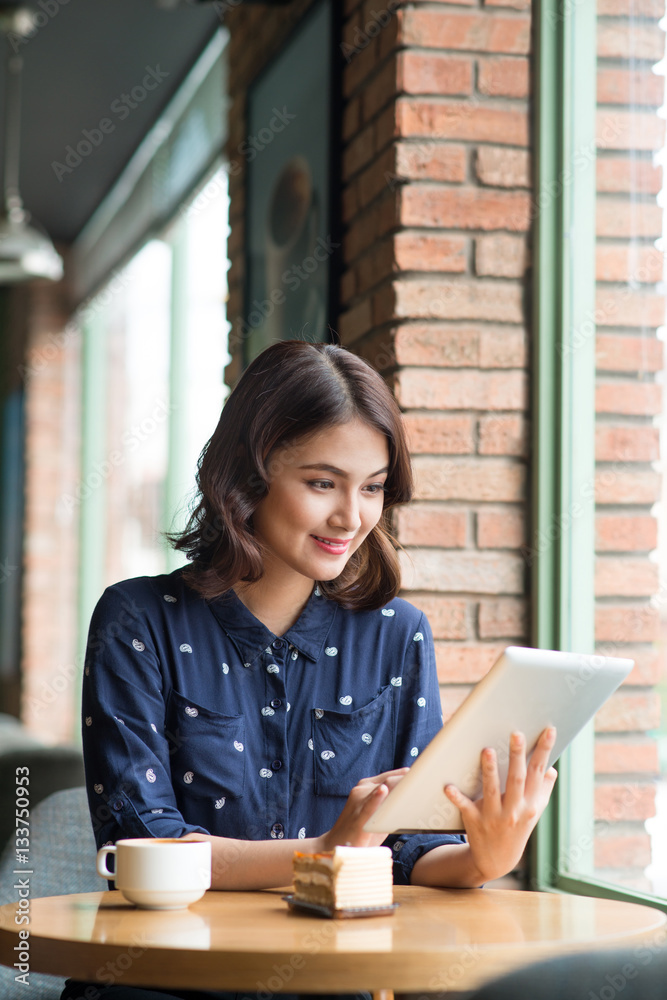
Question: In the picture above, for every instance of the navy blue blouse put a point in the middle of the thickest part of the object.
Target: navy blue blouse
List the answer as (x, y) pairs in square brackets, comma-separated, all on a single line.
[(197, 718)]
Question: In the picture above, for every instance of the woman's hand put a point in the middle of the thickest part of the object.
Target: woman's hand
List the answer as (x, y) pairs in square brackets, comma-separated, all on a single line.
[(361, 803), (498, 826)]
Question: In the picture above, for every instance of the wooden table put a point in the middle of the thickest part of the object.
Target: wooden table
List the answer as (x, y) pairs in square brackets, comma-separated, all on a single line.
[(437, 940)]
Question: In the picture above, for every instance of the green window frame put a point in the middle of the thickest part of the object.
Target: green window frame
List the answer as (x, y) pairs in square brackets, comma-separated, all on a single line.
[(563, 502)]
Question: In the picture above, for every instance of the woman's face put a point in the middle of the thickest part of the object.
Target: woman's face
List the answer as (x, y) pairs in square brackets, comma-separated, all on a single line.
[(325, 496)]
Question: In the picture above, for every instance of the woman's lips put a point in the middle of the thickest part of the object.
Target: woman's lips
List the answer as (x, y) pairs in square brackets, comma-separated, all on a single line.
[(335, 546)]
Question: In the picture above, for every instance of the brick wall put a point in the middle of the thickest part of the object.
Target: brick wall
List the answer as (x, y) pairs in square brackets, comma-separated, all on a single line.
[(437, 209), (629, 357), (51, 369), (436, 202)]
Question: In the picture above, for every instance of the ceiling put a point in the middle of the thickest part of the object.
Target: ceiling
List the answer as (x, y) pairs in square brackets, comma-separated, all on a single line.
[(79, 67)]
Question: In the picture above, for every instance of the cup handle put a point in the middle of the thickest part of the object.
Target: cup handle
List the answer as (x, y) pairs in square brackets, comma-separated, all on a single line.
[(102, 861)]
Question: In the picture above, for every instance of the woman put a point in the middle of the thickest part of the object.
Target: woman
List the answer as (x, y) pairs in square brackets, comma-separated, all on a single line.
[(268, 695)]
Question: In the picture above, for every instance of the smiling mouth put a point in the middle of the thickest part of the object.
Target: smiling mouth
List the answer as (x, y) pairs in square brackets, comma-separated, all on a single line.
[(335, 545)]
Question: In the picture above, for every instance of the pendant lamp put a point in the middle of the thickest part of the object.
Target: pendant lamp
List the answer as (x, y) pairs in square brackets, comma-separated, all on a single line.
[(25, 251)]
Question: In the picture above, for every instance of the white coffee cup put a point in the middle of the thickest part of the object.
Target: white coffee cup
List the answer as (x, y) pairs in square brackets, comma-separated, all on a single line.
[(159, 873)]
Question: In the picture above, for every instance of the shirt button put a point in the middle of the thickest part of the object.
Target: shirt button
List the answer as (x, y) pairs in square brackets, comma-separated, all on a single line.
[(276, 703), (276, 764), (277, 829), (117, 805), (278, 643)]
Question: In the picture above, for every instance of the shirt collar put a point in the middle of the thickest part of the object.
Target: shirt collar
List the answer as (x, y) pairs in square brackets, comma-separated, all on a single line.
[(251, 637)]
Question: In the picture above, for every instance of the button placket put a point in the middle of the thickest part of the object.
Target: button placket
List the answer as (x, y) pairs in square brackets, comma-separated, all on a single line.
[(274, 726)]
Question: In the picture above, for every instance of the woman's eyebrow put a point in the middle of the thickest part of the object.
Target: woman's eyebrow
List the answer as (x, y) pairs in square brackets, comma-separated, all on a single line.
[(323, 467)]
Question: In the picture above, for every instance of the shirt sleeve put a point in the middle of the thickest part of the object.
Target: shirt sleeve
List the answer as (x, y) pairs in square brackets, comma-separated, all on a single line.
[(420, 718), (126, 747)]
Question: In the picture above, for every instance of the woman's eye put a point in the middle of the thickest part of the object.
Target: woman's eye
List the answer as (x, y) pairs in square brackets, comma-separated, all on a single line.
[(321, 484), (375, 488)]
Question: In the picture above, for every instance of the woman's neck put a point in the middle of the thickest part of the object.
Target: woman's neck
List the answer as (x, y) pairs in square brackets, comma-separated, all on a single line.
[(276, 604)]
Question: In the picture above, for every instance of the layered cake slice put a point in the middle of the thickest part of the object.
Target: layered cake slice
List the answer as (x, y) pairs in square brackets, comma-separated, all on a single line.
[(345, 878)]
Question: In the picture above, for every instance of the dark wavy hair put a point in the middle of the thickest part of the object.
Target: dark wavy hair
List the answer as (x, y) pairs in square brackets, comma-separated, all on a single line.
[(291, 389)]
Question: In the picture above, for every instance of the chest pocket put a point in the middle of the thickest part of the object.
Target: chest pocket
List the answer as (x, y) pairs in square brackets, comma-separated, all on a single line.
[(207, 751), (349, 746)]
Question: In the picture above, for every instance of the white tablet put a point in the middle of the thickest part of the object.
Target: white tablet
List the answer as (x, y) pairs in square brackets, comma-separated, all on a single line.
[(526, 690)]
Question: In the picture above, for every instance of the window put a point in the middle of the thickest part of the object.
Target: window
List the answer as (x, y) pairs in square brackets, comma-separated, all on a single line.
[(600, 308)]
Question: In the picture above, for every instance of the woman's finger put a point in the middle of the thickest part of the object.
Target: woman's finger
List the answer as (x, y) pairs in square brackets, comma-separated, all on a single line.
[(490, 781), (378, 779), (516, 772), (539, 761)]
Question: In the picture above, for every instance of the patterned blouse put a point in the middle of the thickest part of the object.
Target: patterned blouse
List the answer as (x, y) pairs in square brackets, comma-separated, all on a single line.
[(197, 718)]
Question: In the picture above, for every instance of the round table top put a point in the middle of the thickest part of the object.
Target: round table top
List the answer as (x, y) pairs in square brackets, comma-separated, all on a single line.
[(437, 939)]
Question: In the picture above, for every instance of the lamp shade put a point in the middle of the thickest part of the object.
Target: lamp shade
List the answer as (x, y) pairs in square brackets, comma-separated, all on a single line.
[(26, 253)]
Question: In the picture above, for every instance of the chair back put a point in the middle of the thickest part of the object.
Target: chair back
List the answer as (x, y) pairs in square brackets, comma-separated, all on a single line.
[(62, 860)]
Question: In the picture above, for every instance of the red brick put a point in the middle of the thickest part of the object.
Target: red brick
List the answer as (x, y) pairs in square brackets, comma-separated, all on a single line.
[(380, 89), (461, 390), (632, 130), (625, 174), (623, 576), (623, 851), (623, 40), (452, 697), (623, 623), (514, 4), (647, 671), (614, 533), (355, 322), (501, 529), (431, 160), (455, 345), (633, 87), (489, 479), (503, 434), (506, 618), (351, 118), (359, 152), (439, 434), (416, 251), (456, 299), (464, 664), (447, 618), (620, 486), (464, 120), (624, 802), (478, 32), (626, 444), (498, 167), (501, 256), (504, 77), (434, 73), (456, 570), (624, 263), (428, 524), (629, 711), (618, 217), (622, 307), (626, 756), (641, 399), (373, 267), (360, 63), (631, 8)]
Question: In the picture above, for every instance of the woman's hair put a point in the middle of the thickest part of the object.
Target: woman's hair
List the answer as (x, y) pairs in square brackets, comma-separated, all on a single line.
[(291, 390)]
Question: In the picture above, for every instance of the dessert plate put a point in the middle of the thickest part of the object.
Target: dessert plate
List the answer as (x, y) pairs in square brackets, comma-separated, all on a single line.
[(315, 909)]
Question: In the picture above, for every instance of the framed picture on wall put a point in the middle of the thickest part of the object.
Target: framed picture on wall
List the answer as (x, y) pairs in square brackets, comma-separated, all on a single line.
[(289, 241)]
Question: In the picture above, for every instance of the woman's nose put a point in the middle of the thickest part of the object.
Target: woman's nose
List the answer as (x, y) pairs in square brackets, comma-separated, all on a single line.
[(346, 514)]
